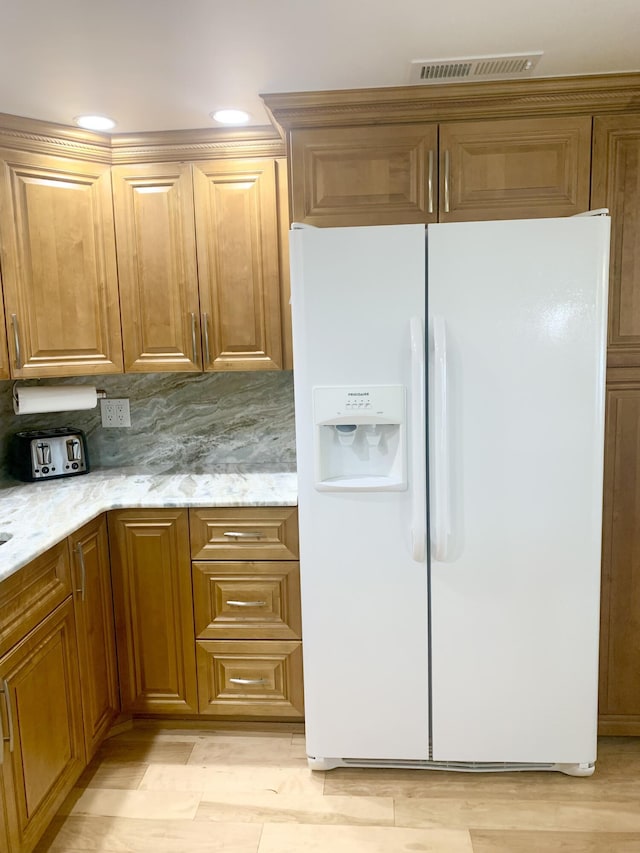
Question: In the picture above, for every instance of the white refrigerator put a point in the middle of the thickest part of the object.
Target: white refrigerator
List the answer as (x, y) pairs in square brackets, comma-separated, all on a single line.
[(449, 402)]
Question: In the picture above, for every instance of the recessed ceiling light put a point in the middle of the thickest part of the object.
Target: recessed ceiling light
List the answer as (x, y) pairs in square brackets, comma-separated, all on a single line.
[(95, 122), (230, 116)]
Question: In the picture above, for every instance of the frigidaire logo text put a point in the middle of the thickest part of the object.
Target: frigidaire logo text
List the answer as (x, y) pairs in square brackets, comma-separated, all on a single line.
[(357, 393)]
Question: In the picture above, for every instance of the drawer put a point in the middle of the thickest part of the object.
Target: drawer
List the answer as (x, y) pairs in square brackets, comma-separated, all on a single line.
[(244, 533), (247, 600), (31, 593), (250, 679)]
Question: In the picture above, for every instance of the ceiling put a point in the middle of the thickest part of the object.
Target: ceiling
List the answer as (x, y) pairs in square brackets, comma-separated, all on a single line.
[(166, 64)]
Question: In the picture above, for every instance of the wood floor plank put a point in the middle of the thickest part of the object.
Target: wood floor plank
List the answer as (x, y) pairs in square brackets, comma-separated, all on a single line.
[(554, 842), (128, 835), (296, 808), (292, 838), (112, 774), (516, 814)]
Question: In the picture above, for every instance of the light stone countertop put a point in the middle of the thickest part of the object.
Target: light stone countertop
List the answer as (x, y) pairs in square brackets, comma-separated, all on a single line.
[(38, 515)]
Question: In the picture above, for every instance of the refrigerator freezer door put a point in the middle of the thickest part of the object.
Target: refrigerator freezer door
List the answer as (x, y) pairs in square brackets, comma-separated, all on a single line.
[(515, 572), (364, 596)]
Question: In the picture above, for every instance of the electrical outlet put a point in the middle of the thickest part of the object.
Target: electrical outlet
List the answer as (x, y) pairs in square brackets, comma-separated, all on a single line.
[(115, 413)]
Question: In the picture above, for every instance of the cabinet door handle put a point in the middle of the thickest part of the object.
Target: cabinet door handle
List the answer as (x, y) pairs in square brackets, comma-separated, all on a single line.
[(205, 331), (83, 571), (194, 342), (430, 181), (447, 180), (241, 534), (246, 603), (16, 339), (247, 681), (7, 702)]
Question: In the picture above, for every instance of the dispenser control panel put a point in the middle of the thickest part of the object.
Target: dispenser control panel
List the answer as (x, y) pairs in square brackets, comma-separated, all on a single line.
[(382, 403)]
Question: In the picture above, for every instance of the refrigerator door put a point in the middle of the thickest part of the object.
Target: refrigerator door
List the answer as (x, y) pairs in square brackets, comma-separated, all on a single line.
[(517, 333), (362, 551)]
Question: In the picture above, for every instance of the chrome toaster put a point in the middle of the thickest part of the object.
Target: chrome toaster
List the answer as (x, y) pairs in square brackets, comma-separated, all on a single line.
[(47, 454)]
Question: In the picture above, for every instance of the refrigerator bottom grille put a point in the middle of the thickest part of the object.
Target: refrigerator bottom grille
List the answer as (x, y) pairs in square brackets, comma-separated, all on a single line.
[(465, 766), (325, 763)]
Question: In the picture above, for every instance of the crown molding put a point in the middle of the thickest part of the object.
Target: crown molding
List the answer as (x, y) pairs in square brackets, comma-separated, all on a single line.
[(602, 93), (202, 144), (39, 137)]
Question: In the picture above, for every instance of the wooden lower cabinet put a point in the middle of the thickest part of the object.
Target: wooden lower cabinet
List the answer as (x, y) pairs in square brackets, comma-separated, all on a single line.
[(151, 573), (93, 602), (619, 707), (42, 721), (246, 599), (250, 678)]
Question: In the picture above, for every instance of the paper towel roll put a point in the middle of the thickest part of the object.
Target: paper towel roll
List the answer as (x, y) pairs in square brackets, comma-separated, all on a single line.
[(35, 399)]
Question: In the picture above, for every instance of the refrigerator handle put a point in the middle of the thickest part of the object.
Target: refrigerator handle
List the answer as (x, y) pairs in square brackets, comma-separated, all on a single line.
[(418, 442), (441, 501)]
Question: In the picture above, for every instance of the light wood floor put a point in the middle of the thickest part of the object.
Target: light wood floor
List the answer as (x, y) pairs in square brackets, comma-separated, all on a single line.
[(191, 791)]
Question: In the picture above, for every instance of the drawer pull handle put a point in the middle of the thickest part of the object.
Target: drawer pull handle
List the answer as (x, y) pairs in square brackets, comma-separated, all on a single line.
[(194, 346), (247, 603), (83, 572), (7, 700), (240, 534), (205, 331), (16, 338), (247, 681)]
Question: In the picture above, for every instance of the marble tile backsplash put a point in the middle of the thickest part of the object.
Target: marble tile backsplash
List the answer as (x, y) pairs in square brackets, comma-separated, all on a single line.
[(179, 422)]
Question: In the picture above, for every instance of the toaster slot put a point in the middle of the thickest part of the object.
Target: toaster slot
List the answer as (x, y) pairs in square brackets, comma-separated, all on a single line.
[(74, 450), (43, 453)]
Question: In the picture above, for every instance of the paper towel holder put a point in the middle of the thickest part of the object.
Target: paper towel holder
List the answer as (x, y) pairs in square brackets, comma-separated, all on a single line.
[(100, 394)]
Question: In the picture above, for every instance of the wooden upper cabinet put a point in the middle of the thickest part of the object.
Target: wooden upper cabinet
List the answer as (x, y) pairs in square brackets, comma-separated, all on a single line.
[(57, 250), (616, 185), (380, 175), (156, 245), (239, 263), (515, 168)]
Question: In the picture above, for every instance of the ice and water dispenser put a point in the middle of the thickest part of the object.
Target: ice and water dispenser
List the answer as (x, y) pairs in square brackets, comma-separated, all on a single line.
[(360, 438)]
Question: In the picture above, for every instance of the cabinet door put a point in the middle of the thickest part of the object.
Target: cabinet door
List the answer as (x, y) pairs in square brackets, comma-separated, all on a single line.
[(59, 266), (239, 264), (619, 704), (42, 719), (152, 594), (156, 245), (364, 175), (514, 169), (616, 185), (93, 602)]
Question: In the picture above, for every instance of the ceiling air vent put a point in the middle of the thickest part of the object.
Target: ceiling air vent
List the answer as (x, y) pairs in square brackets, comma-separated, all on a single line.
[(501, 67)]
